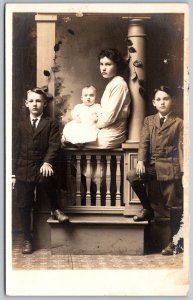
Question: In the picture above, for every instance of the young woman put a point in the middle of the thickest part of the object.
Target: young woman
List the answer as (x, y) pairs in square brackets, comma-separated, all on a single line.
[(115, 102)]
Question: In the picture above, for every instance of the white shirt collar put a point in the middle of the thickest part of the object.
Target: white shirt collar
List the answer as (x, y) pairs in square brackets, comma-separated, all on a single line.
[(38, 119), (166, 116)]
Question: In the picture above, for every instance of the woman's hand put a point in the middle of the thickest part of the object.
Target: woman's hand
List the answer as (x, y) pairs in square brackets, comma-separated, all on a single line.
[(140, 168), (183, 181), (63, 140), (46, 169), (98, 126)]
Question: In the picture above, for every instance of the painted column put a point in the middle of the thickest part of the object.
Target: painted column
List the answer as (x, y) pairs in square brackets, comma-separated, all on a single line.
[(46, 32), (137, 81), (45, 53), (137, 84)]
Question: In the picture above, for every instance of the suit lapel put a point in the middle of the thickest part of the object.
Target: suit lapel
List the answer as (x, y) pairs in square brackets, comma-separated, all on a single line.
[(42, 123), (170, 120)]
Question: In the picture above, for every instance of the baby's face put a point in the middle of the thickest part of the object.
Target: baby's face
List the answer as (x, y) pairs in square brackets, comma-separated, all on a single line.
[(88, 96)]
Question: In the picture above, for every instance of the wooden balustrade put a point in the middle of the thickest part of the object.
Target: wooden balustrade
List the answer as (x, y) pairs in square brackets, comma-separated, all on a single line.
[(94, 178)]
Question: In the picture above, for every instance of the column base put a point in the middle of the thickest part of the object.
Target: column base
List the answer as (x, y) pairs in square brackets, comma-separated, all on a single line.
[(132, 141)]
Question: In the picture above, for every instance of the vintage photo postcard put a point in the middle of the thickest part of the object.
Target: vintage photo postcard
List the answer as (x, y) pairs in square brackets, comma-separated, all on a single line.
[(97, 149)]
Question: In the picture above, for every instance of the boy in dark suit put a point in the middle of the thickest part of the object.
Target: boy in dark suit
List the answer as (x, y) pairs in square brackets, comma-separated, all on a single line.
[(35, 149), (160, 156)]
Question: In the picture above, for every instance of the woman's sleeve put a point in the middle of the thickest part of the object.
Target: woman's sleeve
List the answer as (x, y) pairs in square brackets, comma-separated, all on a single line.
[(114, 105)]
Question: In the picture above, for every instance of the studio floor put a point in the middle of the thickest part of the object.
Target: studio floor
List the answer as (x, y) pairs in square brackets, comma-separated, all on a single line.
[(43, 260)]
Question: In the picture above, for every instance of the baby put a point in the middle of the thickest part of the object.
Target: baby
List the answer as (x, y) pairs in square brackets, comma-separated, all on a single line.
[(82, 129)]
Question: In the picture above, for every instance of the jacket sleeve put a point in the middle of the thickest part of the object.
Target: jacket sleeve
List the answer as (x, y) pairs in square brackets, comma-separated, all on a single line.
[(144, 144), (114, 105), (180, 146), (53, 144)]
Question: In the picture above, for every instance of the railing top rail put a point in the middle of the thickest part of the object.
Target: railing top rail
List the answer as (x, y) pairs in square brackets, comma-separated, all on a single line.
[(84, 151)]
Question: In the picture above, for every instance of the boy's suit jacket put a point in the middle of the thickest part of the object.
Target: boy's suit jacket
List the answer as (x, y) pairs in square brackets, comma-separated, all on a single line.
[(32, 149), (163, 146)]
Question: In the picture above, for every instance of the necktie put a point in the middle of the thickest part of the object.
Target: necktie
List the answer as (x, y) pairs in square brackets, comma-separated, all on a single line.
[(34, 124), (162, 119)]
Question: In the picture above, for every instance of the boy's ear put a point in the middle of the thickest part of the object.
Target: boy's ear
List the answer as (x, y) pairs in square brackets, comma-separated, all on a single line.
[(26, 103), (153, 102)]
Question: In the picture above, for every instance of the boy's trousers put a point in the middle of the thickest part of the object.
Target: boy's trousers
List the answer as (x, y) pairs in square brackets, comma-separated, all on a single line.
[(26, 199), (171, 190)]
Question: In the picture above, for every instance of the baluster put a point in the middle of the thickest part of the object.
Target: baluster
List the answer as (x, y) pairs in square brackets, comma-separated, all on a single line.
[(108, 180), (88, 177), (118, 181), (78, 180), (98, 180), (69, 187)]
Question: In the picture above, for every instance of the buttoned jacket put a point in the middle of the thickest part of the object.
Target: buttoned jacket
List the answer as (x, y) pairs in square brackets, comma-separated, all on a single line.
[(163, 146), (32, 148)]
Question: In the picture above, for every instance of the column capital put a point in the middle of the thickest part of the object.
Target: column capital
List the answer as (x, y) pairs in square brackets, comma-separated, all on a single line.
[(139, 19), (137, 26), (45, 17)]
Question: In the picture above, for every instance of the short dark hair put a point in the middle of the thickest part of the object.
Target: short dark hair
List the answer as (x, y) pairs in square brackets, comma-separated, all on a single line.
[(165, 89), (114, 55), (41, 91)]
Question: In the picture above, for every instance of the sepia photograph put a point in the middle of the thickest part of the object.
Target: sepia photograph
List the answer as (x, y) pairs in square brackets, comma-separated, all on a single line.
[(97, 149)]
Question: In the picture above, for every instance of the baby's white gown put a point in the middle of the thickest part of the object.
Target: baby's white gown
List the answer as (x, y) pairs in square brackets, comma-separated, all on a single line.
[(85, 131)]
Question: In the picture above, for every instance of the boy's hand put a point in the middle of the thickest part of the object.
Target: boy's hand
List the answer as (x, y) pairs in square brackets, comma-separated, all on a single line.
[(46, 169), (140, 168), (13, 182)]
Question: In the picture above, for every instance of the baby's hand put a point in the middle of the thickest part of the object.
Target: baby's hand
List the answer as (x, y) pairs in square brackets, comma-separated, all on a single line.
[(77, 119), (94, 117)]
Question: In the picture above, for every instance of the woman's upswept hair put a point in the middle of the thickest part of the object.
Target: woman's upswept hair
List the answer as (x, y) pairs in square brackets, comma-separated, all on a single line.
[(116, 57)]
